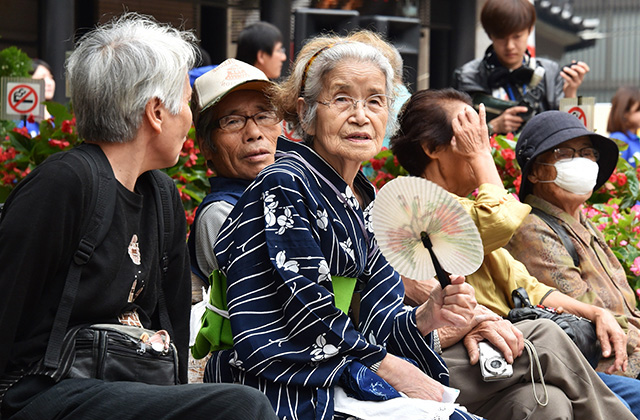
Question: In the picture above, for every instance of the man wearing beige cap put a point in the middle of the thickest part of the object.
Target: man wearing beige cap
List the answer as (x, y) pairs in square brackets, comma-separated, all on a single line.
[(237, 130)]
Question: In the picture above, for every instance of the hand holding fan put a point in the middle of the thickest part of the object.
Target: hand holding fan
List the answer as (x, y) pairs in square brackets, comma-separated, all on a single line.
[(423, 231)]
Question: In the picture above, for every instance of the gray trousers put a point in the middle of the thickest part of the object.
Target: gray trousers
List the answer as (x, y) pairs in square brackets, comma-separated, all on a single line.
[(574, 388), (33, 398)]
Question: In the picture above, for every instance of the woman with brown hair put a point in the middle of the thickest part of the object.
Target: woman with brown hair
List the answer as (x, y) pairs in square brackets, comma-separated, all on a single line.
[(624, 121), (442, 138)]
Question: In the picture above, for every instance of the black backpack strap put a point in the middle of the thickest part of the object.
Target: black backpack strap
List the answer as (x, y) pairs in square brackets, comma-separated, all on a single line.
[(560, 231), (94, 229), (166, 226)]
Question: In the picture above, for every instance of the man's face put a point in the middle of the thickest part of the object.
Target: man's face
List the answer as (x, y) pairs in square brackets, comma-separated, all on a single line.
[(511, 48), (271, 65), (243, 153)]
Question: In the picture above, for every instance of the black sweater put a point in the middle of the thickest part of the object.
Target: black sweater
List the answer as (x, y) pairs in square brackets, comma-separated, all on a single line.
[(39, 233)]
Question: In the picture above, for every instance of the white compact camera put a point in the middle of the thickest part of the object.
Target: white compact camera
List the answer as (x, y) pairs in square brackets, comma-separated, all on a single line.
[(492, 364)]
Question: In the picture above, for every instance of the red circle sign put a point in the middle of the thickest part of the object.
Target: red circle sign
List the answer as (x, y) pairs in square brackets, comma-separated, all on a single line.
[(578, 112), (23, 99)]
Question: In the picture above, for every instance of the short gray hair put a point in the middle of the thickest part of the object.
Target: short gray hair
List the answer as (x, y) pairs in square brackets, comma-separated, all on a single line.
[(118, 67)]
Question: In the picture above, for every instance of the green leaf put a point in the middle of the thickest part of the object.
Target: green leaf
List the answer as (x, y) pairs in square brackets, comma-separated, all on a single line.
[(59, 112), (196, 195), (505, 143), (21, 143), (14, 63)]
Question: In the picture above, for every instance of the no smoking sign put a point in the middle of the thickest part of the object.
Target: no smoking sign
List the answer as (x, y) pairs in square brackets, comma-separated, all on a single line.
[(22, 97)]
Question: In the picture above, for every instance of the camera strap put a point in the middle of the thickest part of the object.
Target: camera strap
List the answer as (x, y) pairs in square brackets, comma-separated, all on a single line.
[(534, 361)]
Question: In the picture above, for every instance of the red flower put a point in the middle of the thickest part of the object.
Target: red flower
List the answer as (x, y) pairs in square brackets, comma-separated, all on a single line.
[(31, 119), (188, 145), (509, 168), (508, 154), (377, 164), (7, 154), (184, 196), (517, 182), (61, 144), (67, 127), (621, 179), (190, 215), (22, 130), (192, 160)]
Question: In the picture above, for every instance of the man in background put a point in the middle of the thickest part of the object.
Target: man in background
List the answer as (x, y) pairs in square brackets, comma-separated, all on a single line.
[(504, 77), (260, 44)]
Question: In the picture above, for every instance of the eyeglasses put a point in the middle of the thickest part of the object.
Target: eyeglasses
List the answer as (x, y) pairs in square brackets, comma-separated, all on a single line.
[(375, 103), (568, 153), (232, 123)]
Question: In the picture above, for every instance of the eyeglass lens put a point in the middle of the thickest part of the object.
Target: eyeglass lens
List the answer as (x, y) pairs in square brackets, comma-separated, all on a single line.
[(569, 153)]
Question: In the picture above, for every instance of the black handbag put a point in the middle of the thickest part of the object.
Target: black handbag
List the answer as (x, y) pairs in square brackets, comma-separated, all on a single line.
[(114, 352), (581, 330)]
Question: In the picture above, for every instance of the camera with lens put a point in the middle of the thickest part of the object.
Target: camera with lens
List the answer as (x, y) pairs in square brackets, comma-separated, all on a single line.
[(532, 98), (492, 364)]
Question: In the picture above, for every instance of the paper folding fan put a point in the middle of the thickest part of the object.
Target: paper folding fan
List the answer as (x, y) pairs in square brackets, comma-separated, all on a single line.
[(423, 231)]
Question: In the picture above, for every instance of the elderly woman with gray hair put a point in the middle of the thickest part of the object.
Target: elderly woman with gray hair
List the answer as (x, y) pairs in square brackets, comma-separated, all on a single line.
[(298, 244)]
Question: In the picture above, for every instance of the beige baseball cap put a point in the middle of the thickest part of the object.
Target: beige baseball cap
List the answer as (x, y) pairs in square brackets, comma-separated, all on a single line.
[(229, 76)]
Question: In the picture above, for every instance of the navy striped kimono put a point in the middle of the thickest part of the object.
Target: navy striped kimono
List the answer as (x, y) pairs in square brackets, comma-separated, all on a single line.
[(294, 227)]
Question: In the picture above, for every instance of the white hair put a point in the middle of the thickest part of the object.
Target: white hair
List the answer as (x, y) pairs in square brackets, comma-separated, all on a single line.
[(118, 67), (326, 61)]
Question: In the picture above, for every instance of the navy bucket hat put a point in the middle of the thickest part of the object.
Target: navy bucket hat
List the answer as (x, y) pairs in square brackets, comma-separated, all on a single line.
[(549, 129)]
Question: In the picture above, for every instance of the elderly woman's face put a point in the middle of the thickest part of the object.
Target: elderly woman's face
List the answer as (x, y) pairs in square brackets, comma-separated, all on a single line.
[(543, 172), (345, 135), (245, 152)]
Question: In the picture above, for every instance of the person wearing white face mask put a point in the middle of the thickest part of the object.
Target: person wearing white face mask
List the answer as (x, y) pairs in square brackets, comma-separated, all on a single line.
[(562, 164), (576, 174), (441, 138)]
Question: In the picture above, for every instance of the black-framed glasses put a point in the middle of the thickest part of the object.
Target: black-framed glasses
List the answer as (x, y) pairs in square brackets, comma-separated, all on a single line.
[(376, 104), (231, 123), (568, 153)]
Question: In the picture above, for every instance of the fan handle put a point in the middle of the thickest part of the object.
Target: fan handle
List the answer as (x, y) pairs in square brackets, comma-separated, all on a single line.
[(443, 278)]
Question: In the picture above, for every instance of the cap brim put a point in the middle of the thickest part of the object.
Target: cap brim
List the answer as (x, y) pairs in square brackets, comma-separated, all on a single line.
[(257, 85)]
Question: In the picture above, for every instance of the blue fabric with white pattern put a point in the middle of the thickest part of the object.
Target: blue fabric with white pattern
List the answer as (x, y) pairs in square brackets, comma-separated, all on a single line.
[(278, 248)]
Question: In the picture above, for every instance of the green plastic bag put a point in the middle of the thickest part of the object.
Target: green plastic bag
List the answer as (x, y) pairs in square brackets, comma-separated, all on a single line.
[(215, 333)]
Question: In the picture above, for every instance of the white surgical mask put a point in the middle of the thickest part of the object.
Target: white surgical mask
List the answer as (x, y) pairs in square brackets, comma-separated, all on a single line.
[(578, 175)]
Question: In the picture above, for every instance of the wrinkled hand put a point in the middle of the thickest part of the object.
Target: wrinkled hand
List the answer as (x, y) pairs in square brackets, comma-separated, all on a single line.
[(454, 306), (410, 380), (499, 332), (573, 76), (509, 121), (612, 337), (417, 292), (470, 133)]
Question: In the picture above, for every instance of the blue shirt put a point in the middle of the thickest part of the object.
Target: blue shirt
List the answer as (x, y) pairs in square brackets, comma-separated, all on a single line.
[(634, 145)]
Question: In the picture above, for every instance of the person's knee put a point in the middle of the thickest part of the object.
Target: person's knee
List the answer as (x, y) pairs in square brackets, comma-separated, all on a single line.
[(558, 404), (255, 404), (528, 404)]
